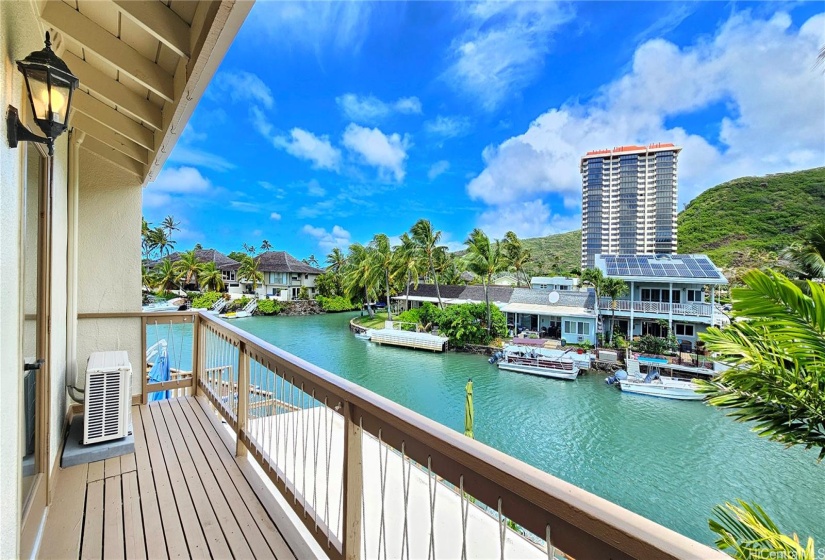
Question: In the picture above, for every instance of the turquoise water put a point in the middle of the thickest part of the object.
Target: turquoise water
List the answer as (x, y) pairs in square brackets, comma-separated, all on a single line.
[(670, 461)]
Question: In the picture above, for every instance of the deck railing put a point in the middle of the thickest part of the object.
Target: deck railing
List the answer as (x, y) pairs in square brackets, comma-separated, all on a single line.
[(368, 477), (694, 309)]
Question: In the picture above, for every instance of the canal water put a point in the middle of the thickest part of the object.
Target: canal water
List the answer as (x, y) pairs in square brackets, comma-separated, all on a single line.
[(669, 461)]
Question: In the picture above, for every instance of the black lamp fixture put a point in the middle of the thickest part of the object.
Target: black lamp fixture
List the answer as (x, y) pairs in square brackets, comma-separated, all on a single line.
[(50, 85)]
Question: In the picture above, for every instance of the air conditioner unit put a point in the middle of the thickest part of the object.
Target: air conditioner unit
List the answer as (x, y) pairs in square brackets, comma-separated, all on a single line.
[(108, 406)]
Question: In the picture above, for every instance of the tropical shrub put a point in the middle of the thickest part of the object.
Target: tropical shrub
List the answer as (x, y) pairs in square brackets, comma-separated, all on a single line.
[(328, 284), (429, 314), (649, 344), (467, 324), (336, 304), (410, 318), (303, 293), (269, 307), (206, 299), (237, 304)]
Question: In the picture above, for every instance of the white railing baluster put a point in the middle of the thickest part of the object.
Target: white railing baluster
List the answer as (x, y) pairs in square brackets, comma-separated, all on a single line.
[(406, 475), (464, 512)]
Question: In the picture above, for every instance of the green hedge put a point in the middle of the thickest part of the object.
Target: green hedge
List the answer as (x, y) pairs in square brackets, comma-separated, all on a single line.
[(336, 303), (462, 324), (269, 307), (206, 300)]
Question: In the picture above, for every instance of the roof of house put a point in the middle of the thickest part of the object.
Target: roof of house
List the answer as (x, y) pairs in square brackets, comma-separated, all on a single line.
[(468, 293), (221, 261), (684, 269), (281, 261)]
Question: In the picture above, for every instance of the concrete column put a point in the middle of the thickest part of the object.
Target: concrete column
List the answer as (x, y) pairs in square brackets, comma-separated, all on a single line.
[(75, 140), (632, 299), (670, 306)]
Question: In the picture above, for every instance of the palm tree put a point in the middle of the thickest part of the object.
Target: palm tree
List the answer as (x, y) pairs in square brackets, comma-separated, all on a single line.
[(360, 273), (169, 225), (336, 260), (166, 276), (517, 256), (147, 277), (188, 267), (776, 382), (806, 259), (382, 256), (162, 242), (484, 259), (210, 277), (266, 245), (427, 239), (248, 271), (249, 249), (613, 288), (312, 261), (408, 263), (146, 241), (594, 278)]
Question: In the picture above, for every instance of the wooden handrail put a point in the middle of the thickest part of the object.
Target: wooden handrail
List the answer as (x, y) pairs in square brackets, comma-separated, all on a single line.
[(582, 524)]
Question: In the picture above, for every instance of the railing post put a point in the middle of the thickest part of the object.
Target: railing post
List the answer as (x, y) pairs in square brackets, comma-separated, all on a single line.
[(196, 354), (144, 395), (243, 399), (353, 488)]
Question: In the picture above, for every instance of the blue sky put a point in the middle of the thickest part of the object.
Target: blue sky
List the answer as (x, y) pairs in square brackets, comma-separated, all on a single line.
[(329, 122)]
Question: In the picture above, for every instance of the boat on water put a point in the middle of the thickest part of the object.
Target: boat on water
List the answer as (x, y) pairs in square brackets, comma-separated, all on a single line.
[(544, 362), (364, 335), (235, 315), (171, 305), (654, 385)]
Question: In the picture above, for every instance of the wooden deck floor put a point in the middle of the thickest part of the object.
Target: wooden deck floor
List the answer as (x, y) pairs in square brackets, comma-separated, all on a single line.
[(181, 494)]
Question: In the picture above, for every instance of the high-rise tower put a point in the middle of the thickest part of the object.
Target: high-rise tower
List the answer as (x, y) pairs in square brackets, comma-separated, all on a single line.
[(629, 201)]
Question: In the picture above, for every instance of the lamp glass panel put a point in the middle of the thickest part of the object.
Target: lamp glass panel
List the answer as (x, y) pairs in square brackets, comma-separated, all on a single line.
[(60, 101), (38, 90)]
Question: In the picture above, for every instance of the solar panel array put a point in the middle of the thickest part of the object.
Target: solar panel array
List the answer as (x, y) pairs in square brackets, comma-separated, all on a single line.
[(656, 266)]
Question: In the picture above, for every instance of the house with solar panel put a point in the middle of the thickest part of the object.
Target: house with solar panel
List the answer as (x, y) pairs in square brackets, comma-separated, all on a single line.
[(679, 289)]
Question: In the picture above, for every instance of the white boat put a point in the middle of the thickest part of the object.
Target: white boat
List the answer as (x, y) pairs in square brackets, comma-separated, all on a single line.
[(655, 386), (159, 306), (235, 315), (558, 364), (364, 335)]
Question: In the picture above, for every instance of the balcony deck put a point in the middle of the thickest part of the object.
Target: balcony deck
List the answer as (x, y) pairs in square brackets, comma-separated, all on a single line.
[(181, 494)]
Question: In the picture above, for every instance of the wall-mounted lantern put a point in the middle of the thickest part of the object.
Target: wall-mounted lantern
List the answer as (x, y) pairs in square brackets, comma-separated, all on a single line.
[(49, 84)]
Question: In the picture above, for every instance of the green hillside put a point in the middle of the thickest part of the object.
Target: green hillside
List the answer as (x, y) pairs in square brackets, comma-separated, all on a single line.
[(741, 223), (555, 254)]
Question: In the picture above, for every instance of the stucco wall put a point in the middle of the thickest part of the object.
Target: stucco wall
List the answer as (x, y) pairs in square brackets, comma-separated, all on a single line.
[(108, 252), (19, 35)]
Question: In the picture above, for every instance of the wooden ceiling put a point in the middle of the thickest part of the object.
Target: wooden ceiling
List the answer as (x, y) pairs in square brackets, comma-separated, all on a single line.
[(143, 65)]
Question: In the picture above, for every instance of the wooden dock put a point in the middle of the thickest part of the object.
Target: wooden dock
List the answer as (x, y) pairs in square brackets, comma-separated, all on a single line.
[(409, 339)]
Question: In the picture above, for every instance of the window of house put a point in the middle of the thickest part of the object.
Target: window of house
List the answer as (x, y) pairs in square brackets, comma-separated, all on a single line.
[(577, 327), (682, 329), (695, 295)]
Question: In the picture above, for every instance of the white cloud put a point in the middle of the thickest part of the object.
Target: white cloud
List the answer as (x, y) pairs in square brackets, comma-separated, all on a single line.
[(305, 145), (387, 153), (504, 49), (275, 216), (175, 181), (242, 206), (278, 192), (532, 218), (447, 127), (315, 189), (437, 169), (242, 86), (188, 155), (370, 109), (775, 111), (312, 25), (327, 240)]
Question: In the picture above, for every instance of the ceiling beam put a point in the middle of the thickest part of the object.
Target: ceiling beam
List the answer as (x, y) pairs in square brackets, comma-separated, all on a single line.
[(115, 120), (157, 19), (125, 99), (124, 162), (66, 19), (108, 136)]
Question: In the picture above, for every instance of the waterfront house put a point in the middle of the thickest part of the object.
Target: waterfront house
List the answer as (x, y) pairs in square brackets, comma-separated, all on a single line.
[(666, 293), (557, 283), (283, 277), (214, 470), (567, 315), (227, 266), (453, 295)]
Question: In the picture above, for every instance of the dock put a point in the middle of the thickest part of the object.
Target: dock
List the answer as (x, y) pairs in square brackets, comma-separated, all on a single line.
[(409, 339)]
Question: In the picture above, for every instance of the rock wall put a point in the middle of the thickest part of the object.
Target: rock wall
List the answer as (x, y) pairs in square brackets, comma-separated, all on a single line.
[(301, 307)]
